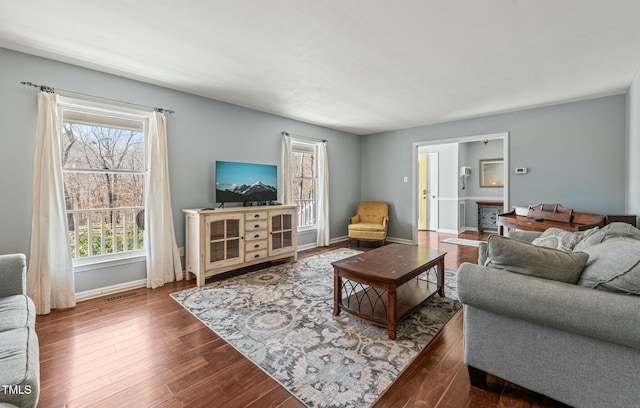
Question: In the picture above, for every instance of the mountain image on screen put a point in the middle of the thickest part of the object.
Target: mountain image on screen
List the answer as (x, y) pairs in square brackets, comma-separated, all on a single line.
[(245, 182), (239, 193)]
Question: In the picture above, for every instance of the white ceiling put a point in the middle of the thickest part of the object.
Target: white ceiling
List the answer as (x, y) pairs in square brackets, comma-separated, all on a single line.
[(362, 66)]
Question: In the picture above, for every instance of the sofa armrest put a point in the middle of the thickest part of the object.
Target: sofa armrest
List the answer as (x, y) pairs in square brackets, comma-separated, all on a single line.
[(13, 275), (355, 219), (589, 312)]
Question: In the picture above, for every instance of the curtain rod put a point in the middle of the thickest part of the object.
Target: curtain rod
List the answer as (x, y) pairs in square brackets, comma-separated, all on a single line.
[(313, 139), (50, 89)]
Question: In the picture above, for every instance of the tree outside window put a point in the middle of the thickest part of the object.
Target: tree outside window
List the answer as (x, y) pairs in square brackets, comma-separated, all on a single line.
[(304, 169), (103, 163)]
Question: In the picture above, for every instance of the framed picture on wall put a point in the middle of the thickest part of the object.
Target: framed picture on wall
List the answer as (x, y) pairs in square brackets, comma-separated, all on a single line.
[(492, 173)]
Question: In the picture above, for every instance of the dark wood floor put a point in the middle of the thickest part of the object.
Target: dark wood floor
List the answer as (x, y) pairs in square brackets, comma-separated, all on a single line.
[(145, 350)]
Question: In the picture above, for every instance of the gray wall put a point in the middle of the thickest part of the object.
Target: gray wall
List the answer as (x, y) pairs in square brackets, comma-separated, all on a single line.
[(633, 148), (575, 154), (199, 133)]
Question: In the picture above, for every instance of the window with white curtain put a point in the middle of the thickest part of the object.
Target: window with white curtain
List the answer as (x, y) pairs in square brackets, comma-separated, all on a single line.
[(305, 182), (104, 170)]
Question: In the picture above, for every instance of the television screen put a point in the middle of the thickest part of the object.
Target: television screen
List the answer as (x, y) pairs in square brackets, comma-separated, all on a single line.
[(244, 182)]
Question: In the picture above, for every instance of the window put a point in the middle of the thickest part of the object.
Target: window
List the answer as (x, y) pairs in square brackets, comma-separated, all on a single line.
[(103, 166), (305, 181)]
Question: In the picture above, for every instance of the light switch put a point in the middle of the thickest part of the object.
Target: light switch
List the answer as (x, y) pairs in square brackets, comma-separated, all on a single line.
[(406, 179)]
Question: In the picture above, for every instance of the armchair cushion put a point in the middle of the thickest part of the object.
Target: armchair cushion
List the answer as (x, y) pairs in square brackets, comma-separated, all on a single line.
[(366, 226)]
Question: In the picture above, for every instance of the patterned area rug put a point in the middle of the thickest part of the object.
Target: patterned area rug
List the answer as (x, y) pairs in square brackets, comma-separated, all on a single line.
[(281, 319)]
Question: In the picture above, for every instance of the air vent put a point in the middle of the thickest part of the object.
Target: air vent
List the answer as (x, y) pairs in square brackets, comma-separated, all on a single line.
[(121, 297), (462, 221)]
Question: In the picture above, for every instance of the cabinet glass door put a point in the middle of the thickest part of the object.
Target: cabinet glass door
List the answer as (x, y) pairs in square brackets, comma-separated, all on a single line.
[(281, 232), (225, 240)]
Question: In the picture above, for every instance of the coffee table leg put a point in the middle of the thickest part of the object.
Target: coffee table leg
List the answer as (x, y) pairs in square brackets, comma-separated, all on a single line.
[(440, 278), (337, 292), (391, 315)]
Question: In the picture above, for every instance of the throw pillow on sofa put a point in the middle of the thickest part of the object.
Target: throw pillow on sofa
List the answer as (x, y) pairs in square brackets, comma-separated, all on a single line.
[(562, 239), (529, 259), (613, 230), (613, 265)]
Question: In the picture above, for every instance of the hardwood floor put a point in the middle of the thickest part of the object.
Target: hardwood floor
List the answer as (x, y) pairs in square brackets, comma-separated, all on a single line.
[(144, 350)]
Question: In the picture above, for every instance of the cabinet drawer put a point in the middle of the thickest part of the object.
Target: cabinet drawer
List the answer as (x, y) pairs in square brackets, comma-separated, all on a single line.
[(252, 225), (255, 245), (253, 255), (253, 235), (255, 215)]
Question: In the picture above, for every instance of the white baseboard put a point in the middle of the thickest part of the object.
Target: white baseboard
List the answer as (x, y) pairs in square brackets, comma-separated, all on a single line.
[(448, 231), (307, 246), (338, 239), (109, 290), (399, 240)]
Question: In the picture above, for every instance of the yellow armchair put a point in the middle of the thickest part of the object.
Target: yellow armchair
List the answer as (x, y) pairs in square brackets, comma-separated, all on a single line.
[(370, 223)]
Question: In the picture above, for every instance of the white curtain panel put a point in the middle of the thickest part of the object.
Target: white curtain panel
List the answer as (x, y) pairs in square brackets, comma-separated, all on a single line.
[(323, 195), (163, 258), (287, 172), (50, 274)]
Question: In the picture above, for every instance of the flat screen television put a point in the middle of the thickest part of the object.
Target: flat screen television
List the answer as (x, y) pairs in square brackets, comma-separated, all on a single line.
[(246, 182)]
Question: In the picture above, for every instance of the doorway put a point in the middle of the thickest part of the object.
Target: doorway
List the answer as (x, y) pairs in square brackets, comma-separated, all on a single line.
[(455, 196)]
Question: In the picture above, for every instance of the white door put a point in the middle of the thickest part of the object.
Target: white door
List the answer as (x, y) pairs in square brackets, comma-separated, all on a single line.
[(422, 192), (432, 191)]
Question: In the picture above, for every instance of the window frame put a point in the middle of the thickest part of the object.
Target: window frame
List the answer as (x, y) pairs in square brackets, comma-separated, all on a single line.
[(115, 112), (306, 147)]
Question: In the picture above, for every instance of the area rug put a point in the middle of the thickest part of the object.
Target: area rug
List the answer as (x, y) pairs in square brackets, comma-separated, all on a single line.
[(281, 319), (461, 241)]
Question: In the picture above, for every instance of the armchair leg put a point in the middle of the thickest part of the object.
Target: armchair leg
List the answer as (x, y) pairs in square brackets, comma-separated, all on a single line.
[(349, 245), (477, 377)]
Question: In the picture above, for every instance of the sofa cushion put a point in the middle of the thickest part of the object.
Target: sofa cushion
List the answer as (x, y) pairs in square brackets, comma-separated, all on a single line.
[(16, 311), (529, 259), (613, 265), (562, 239), (613, 230), (20, 367)]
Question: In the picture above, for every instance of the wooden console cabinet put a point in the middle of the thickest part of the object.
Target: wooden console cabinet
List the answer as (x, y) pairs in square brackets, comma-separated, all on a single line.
[(225, 239), (488, 214)]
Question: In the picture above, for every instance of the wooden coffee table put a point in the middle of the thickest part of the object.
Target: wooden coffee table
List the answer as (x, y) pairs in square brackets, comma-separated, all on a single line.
[(381, 286)]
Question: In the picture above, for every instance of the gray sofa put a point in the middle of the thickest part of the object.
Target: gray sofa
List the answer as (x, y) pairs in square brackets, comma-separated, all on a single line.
[(574, 339), (19, 351)]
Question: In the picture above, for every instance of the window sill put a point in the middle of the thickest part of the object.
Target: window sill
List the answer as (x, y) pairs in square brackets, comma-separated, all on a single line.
[(307, 229), (107, 261)]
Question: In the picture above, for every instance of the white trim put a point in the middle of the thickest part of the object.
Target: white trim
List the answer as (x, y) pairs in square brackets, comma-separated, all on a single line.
[(471, 198), (92, 264), (449, 231), (109, 290), (338, 239), (307, 246), (400, 241)]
